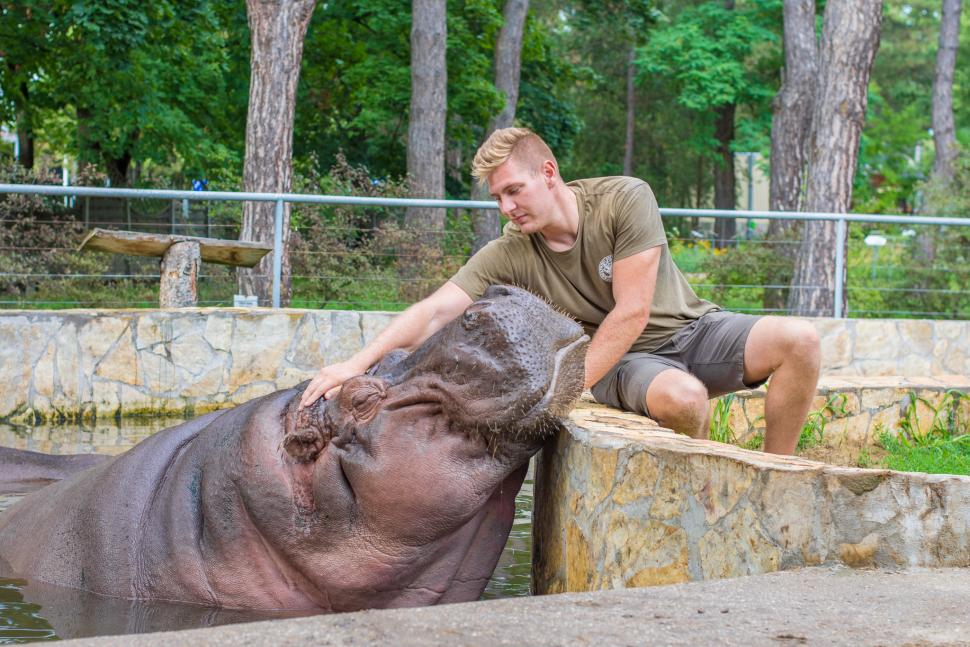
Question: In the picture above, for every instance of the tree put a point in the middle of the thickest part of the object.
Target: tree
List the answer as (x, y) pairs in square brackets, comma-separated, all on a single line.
[(136, 82), (705, 54), (792, 108), (507, 68), (427, 117), (278, 29), (944, 131), (850, 38)]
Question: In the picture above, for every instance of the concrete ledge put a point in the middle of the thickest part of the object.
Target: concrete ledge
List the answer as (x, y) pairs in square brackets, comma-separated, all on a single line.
[(818, 607), (621, 503)]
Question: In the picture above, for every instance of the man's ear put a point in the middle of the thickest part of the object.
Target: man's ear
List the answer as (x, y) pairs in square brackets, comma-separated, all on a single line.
[(362, 397)]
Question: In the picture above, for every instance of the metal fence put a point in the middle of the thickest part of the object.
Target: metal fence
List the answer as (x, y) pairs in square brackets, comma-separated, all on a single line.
[(189, 201)]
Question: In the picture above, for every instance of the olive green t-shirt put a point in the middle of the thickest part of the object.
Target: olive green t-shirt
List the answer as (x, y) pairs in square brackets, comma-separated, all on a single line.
[(618, 217)]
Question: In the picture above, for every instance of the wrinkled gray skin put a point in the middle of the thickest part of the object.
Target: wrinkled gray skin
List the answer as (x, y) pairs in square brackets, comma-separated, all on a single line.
[(398, 492)]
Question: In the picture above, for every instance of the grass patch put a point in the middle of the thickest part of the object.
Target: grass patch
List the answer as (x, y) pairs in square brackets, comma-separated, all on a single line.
[(933, 438), (938, 446)]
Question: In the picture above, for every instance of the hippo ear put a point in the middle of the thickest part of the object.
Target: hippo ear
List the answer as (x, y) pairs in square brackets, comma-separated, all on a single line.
[(362, 397), (304, 432)]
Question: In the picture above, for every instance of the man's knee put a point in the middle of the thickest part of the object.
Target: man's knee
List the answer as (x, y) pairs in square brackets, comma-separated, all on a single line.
[(803, 342), (680, 400)]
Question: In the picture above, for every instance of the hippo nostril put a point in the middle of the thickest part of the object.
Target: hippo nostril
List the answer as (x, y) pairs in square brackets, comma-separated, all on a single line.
[(477, 307)]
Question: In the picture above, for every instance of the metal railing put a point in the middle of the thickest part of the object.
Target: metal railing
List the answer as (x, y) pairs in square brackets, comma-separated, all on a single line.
[(842, 219)]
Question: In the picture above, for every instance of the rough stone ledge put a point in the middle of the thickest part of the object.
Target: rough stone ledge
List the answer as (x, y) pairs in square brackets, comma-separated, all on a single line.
[(813, 606), (620, 502)]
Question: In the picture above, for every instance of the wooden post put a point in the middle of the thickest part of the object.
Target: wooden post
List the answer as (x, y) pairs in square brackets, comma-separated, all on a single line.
[(180, 273)]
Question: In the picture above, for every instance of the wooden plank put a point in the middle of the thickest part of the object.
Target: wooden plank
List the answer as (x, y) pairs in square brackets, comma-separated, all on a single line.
[(212, 250)]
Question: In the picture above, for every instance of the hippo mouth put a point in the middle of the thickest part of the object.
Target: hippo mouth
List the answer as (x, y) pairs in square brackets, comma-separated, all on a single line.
[(565, 386)]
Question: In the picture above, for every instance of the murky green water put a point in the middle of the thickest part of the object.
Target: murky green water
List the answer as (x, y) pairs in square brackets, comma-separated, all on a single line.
[(34, 611)]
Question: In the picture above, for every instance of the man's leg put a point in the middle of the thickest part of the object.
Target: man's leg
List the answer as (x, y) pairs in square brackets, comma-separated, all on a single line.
[(787, 350), (678, 400)]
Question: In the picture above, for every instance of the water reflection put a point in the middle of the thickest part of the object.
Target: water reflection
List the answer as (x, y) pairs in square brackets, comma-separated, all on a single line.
[(33, 611)]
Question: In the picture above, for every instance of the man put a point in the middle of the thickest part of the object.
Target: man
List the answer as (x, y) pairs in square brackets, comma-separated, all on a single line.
[(597, 249)]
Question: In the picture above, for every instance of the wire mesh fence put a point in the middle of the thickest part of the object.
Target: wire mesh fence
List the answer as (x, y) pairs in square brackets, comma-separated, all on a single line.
[(361, 256)]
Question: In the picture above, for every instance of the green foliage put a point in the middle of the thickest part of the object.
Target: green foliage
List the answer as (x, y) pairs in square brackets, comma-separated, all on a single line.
[(888, 170), (899, 115), (926, 271), (721, 420), (139, 81), (38, 237), (706, 54), (940, 445), (355, 86), (344, 256), (813, 433)]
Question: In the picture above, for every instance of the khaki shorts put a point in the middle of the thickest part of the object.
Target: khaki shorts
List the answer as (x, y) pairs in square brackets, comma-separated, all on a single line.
[(710, 348)]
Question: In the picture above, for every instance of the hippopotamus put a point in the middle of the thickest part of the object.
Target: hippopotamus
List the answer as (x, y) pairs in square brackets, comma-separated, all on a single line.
[(399, 491)]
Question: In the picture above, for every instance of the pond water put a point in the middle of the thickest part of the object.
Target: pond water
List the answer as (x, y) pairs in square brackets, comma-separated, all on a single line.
[(34, 611)]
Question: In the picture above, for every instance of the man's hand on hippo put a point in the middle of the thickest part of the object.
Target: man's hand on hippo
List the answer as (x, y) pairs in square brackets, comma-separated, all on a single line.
[(328, 380), (407, 331)]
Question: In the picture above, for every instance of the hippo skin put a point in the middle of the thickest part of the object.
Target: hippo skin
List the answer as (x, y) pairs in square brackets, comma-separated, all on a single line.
[(399, 491)]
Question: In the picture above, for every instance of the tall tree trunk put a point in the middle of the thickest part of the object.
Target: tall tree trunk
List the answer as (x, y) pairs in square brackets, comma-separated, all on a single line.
[(25, 142), (25, 134), (427, 123), (790, 126), (507, 67), (792, 108), (944, 133), (850, 38), (278, 29), (724, 179), (630, 114)]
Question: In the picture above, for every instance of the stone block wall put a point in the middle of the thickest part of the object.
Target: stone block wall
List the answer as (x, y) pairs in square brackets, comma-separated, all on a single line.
[(621, 503), (859, 408), (103, 363), (85, 364), (883, 347)]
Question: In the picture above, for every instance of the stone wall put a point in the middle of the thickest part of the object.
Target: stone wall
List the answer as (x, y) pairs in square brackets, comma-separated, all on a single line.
[(621, 503), (856, 409), (80, 364), (882, 347), (102, 363)]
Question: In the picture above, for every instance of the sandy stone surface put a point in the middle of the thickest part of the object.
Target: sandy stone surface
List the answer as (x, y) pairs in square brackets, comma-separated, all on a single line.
[(620, 502), (812, 606)]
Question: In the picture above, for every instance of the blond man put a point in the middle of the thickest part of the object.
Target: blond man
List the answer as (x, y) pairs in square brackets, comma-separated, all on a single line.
[(597, 249)]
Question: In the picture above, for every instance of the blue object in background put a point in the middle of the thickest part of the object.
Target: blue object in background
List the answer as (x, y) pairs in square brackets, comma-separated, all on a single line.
[(199, 185)]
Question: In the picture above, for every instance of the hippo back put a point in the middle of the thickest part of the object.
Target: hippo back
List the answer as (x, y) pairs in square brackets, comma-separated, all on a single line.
[(85, 531)]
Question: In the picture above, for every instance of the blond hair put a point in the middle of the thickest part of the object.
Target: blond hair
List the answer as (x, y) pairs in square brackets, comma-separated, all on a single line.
[(525, 146)]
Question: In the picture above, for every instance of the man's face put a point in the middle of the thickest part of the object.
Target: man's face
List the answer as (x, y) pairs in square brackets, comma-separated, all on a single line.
[(523, 197)]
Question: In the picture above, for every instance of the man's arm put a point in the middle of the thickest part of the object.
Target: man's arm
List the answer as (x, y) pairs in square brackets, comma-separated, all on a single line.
[(408, 331), (634, 279)]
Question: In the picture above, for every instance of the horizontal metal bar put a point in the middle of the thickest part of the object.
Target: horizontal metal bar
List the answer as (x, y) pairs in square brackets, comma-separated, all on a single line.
[(36, 189), (813, 215)]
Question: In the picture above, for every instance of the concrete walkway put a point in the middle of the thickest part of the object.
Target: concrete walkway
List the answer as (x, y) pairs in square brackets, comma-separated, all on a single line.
[(812, 606)]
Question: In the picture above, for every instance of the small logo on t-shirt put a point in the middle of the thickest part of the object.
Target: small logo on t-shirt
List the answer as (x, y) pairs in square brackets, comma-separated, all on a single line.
[(606, 269)]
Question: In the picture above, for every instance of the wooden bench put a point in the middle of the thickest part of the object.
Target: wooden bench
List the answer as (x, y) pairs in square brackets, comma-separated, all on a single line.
[(181, 257)]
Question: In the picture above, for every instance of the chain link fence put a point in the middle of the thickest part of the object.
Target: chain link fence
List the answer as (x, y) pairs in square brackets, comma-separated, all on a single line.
[(354, 252)]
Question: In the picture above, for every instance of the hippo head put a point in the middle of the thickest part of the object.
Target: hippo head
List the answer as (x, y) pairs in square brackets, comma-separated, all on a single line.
[(400, 491)]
